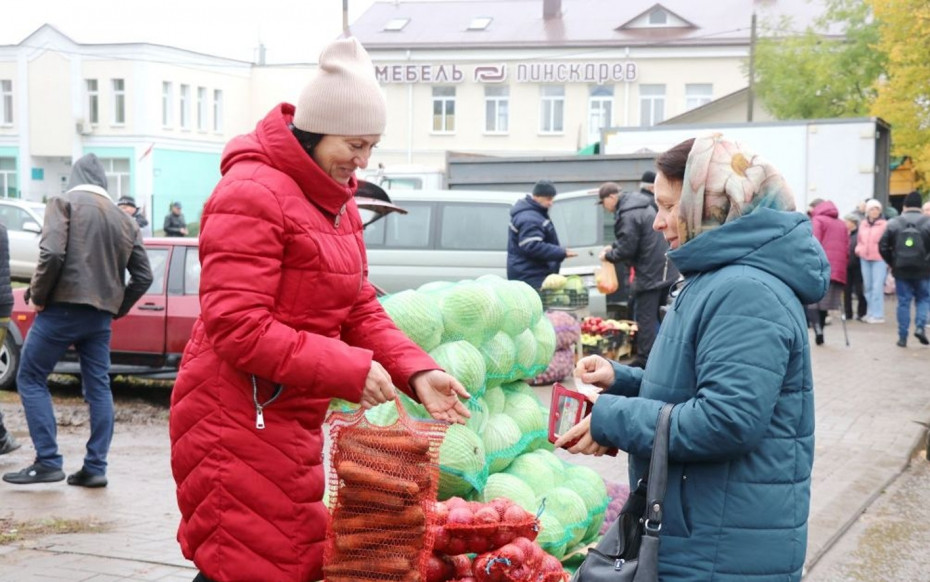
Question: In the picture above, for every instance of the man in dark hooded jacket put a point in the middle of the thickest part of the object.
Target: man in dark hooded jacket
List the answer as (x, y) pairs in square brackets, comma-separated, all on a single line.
[(533, 250), (643, 248), (78, 288)]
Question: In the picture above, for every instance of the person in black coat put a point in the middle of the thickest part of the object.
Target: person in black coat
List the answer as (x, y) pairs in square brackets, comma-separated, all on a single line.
[(8, 443), (533, 250), (854, 274), (175, 225), (643, 248)]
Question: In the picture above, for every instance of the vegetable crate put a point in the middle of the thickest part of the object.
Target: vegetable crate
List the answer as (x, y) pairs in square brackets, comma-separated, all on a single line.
[(613, 345), (567, 299)]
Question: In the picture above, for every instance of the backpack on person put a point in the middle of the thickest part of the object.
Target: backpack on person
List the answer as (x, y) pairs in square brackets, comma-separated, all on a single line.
[(910, 252)]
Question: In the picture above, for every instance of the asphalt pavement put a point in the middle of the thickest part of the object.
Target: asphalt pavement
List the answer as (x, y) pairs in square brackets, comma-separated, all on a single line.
[(872, 403)]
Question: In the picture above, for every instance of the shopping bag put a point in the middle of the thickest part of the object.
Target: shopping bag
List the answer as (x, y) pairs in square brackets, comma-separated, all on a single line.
[(606, 277)]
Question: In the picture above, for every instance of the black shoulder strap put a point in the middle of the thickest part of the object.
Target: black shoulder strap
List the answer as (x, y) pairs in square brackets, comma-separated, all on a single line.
[(658, 473)]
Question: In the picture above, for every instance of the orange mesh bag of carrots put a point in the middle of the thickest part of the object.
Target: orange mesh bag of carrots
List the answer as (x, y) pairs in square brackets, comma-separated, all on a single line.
[(384, 481)]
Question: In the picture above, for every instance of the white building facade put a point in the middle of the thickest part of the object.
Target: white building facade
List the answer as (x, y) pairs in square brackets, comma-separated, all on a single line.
[(157, 117), (501, 77), (513, 77)]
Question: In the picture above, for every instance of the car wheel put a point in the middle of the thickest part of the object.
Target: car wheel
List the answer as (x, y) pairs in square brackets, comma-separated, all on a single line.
[(9, 363)]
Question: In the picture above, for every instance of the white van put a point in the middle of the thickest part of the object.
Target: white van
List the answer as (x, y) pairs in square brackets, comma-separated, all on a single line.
[(449, 235)]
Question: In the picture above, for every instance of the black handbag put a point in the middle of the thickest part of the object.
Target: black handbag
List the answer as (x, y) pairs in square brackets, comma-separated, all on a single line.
[(629, 551)]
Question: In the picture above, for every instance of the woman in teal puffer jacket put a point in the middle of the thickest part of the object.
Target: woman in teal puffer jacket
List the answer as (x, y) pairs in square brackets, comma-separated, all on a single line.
[(733, 355)]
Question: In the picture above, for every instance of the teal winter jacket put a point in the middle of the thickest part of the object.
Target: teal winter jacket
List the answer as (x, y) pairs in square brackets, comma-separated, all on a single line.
[(733, 355)]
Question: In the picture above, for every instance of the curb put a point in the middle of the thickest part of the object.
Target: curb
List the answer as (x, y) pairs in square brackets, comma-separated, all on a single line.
[(919, 441)]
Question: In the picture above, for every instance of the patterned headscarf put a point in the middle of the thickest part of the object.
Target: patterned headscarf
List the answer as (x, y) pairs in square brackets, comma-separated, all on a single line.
[(723, 181)]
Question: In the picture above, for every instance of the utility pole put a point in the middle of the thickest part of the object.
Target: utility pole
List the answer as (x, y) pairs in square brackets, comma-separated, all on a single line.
[(752, 68), (345, 18)]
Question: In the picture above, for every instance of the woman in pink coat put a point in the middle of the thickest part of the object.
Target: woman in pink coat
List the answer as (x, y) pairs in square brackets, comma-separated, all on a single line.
[(874, 269), (288, 322)]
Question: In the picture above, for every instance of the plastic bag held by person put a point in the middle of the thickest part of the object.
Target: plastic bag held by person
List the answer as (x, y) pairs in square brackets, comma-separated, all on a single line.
[(606, 277)]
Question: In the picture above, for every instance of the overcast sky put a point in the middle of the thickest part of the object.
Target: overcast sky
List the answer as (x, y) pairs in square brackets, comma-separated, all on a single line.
[(292, 30)]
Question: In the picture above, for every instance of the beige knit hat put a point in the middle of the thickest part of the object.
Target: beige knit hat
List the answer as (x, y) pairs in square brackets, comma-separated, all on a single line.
[(343, 97)]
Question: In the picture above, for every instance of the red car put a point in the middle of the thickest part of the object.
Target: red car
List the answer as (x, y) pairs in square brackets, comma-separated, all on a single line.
[(149, 340)]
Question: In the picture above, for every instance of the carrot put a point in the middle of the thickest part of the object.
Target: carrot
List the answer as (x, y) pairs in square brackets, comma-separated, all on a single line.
[(394, 440), (345, 522), (393, 566), (354, 474), (375, 449), (419, 473), (412, 576), (372, 500), (389, 540)]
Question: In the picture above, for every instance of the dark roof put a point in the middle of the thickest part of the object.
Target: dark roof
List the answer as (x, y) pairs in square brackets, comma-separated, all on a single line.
[(520, 23)]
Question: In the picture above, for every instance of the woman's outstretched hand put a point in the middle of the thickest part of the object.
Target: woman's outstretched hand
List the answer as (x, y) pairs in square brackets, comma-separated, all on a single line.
[(440, 393)]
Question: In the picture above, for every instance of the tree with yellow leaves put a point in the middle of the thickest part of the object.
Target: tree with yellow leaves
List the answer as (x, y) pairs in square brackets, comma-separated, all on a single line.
[(904, 92)]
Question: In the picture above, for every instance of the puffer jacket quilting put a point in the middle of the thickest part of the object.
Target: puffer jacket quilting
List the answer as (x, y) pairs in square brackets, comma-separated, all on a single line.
[(733, 355), (284, 297)]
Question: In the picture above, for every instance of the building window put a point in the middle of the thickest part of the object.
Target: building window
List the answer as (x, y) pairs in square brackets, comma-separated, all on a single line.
[(480, 23), (651, 104), (92, 102), (202, 108), (117, 171), (167, 103), (600, 108), (217, 110), (6, 102), (658, 17), (119, 101), (552, 109), (8, 188), (185, 106), (697, 94), (496, 109), (396, 24), (443, 109)]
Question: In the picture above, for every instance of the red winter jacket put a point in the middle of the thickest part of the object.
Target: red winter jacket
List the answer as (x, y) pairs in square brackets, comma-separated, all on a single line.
[(834, 238), (284, 296)]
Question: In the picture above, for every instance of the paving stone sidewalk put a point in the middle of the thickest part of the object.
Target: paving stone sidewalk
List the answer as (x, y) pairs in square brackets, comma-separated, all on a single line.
[(870, 400)]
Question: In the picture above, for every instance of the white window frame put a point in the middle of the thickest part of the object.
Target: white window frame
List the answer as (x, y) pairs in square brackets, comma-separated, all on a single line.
[(6, 102), (496, 109), (118, 88), (697, 94), (92, 101), (552, 109), (651, 104), (185, 100), (7, 176), (218, 110), (658, 17), (119, 182), (201, 109), (167, 104), (600, 111), (446, 104)]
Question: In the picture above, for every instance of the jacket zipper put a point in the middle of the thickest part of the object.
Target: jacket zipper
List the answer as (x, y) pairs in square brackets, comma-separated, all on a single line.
[(260, 407)]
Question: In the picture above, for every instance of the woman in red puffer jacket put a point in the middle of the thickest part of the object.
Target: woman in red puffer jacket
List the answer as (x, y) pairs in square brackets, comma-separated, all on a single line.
[(833, 236), (288, 322)]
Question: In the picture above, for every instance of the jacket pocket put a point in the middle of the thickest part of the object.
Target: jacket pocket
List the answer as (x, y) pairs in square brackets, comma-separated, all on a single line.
[(677, 511)]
